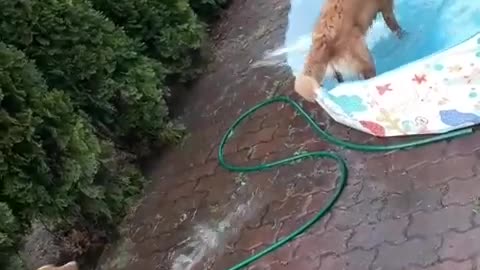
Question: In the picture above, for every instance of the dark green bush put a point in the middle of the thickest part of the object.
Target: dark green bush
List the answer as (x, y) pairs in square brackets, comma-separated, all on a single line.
[(169, 30), (208, 10), (52, 166), (114, 189), (10, 235), (60, 161), (98, 66), (47, 152)]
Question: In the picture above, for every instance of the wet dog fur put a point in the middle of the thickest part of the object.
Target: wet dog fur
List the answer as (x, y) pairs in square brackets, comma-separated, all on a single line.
[(338, 43)]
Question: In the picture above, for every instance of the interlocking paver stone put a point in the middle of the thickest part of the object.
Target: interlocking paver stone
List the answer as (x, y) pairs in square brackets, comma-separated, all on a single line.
[(402, 210)]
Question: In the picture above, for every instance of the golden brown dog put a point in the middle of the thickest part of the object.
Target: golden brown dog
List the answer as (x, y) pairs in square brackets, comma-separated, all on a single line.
[(68, 266), (338, 42)]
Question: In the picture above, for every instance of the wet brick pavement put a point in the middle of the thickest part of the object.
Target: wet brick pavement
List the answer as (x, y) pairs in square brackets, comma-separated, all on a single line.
[(413, 209)]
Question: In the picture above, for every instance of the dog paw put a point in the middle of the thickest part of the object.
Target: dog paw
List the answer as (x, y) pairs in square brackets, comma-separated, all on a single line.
[(311, 99), (401, 34), (306, 87), (313, 96)]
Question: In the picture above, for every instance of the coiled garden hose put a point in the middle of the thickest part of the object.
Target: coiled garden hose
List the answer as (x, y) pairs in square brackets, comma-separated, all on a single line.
[(341, 164)]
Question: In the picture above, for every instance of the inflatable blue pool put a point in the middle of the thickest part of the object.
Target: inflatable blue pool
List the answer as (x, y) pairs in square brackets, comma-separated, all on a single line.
[(427, 83)]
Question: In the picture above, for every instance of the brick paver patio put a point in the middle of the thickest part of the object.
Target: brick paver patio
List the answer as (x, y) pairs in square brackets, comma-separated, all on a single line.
[(413, 209)]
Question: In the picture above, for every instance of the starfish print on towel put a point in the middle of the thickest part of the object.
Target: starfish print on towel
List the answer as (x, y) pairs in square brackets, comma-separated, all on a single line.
[(382, 89), (420, 78)]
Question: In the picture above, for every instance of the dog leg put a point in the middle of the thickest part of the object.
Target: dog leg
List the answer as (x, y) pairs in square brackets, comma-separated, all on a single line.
[(361, 58), (314, 71), (390, 19)]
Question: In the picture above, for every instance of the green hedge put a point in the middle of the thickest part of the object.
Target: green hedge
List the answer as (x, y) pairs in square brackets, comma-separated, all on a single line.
[(82, 52), (53, 168), (10, 235), (47, 152), (169, 30), (90, 92)]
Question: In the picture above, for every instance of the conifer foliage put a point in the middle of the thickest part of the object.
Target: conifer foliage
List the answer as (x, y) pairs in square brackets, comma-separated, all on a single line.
[(82, 92)]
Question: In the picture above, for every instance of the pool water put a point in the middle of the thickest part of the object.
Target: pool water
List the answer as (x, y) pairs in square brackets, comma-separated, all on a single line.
[(431, 26)]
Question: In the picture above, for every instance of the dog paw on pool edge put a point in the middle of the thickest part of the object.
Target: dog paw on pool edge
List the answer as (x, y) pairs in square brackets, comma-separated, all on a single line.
[(306, 87)]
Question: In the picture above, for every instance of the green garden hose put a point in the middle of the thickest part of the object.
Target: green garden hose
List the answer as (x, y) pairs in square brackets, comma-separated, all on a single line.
[(341, 164)]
